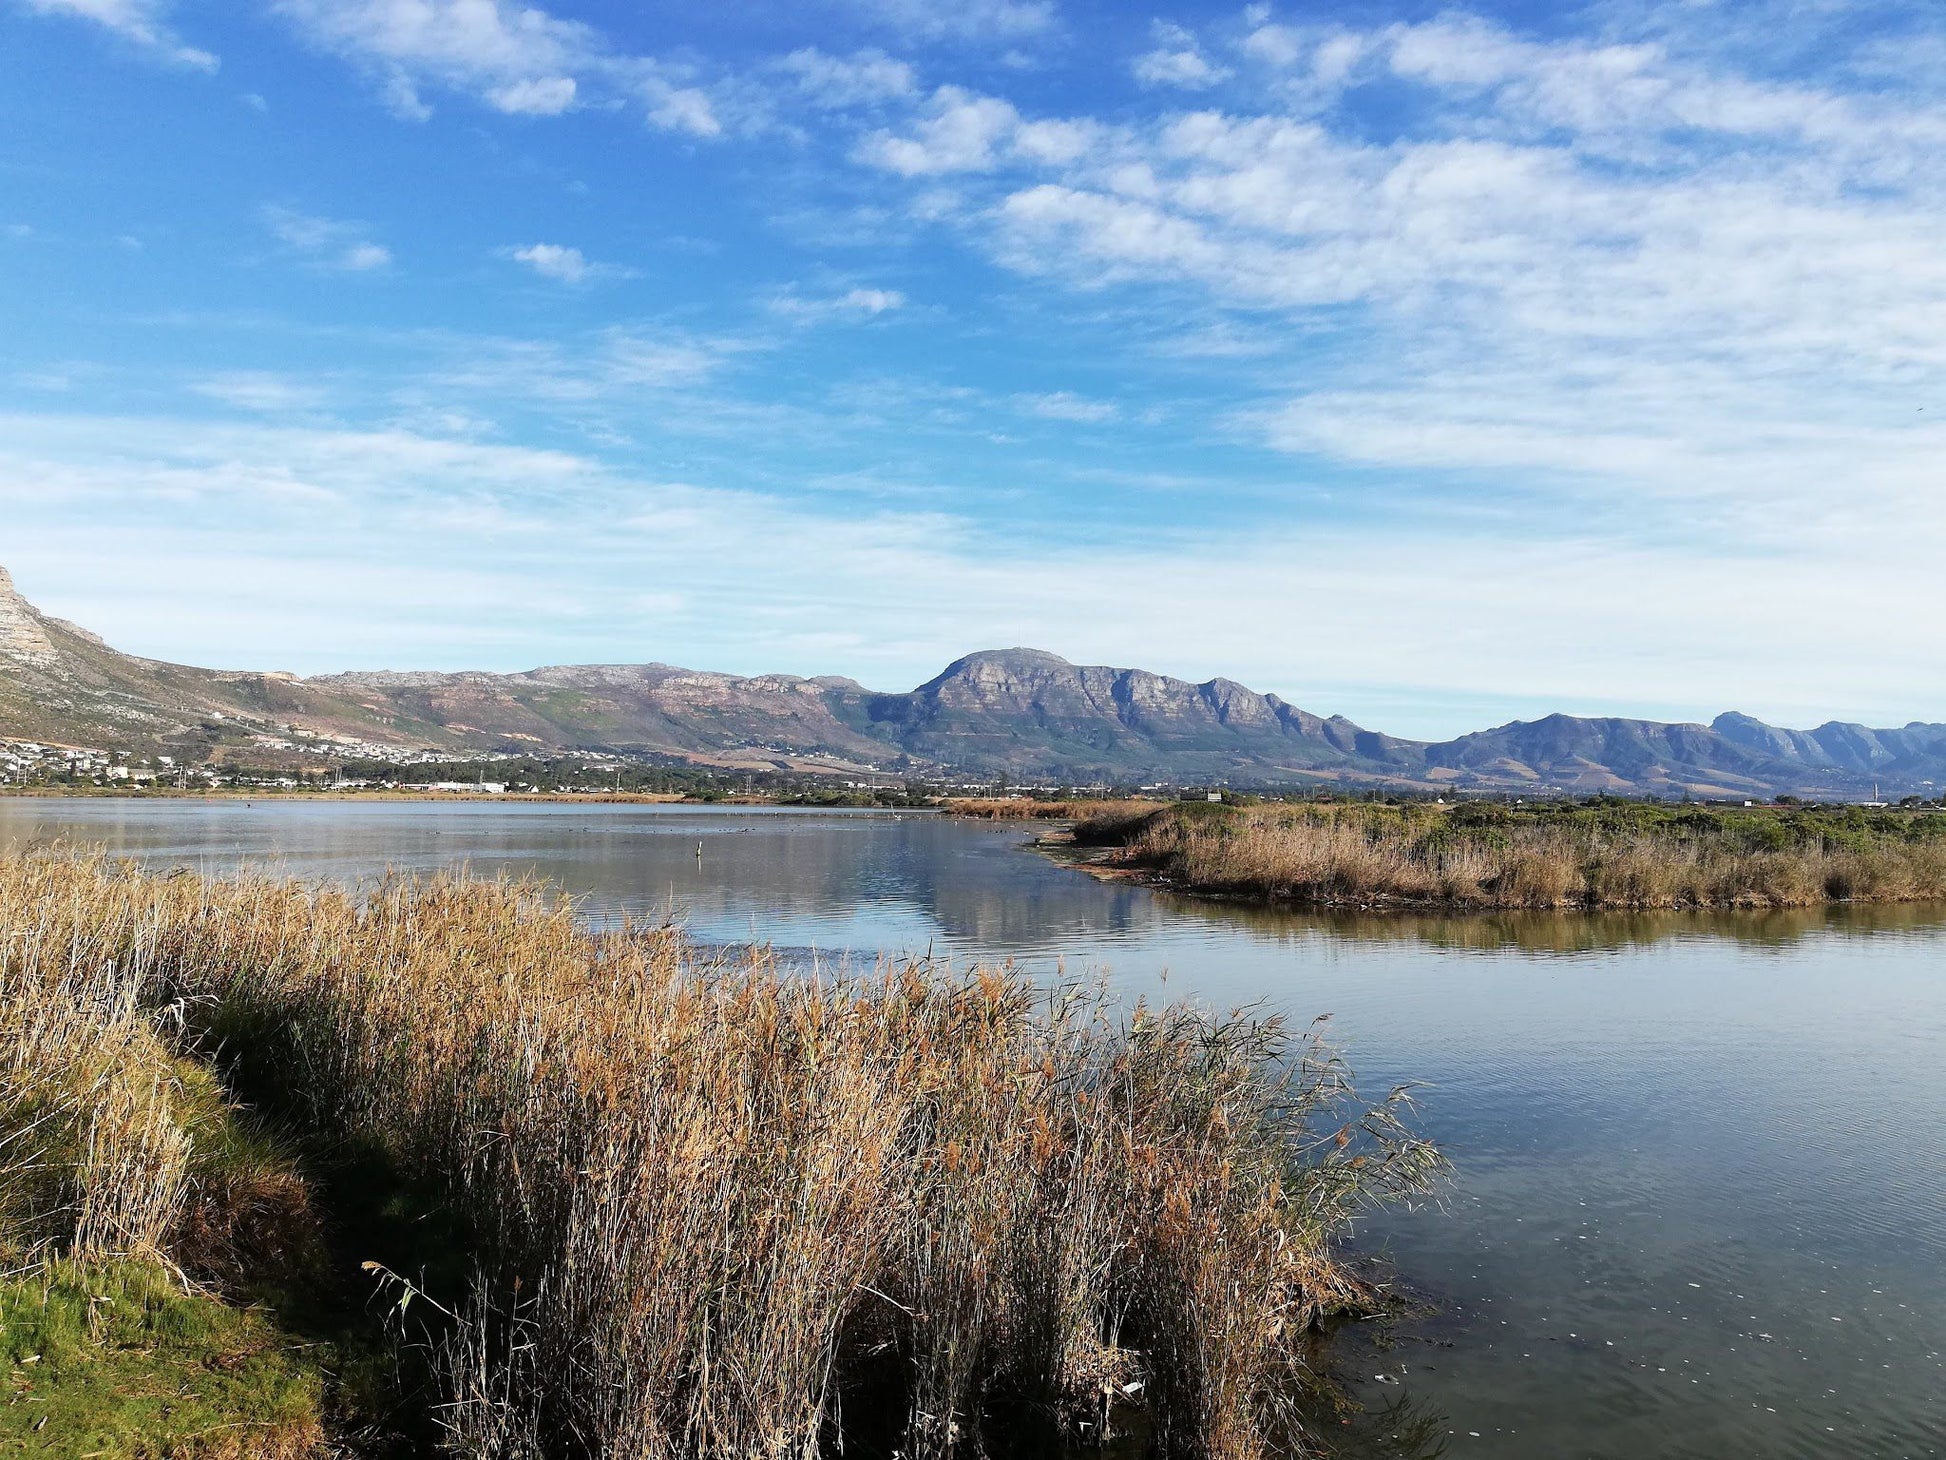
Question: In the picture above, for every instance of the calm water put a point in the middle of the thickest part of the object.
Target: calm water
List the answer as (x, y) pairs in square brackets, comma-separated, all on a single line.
[(1702, 1197)]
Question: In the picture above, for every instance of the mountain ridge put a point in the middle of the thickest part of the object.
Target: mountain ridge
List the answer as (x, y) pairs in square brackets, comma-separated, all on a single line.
[(1022, 713)]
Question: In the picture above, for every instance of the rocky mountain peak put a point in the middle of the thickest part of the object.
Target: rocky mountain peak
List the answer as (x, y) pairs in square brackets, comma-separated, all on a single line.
[(987, 662), (999, 671)]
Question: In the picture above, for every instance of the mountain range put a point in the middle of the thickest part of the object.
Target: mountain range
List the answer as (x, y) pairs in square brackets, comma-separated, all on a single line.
[(1018, 713)]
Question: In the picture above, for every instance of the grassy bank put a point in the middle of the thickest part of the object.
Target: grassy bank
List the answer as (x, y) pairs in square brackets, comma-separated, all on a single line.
[(1481, 855), (652, 1202)]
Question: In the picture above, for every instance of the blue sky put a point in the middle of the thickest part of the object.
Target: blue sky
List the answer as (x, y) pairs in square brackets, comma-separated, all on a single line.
[(1431, 365)]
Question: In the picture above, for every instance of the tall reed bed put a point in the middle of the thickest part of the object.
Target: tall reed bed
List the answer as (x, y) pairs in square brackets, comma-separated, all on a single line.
[(93, 1159), (1489, 856), (717, 1208)]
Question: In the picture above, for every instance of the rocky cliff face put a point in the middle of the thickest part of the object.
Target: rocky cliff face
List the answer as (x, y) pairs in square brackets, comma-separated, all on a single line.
[(23, 638), (1034, 713)]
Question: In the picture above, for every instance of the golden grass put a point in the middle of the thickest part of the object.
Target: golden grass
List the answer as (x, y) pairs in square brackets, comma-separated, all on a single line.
[(92, 1158), (1571, 857), (719, 1209)]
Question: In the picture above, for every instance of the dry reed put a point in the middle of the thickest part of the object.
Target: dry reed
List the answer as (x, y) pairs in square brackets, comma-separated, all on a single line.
[(1570, 857), (718, 1208)]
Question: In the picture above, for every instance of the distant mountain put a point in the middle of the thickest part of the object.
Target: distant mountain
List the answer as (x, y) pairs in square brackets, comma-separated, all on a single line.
[(721, 719), (1021, 713), (1569, 753), (1034, 714), (1916, 751), (63, 686)]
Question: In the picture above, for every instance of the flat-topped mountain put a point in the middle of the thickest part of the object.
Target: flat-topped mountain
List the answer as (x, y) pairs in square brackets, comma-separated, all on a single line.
[(1023, 713)]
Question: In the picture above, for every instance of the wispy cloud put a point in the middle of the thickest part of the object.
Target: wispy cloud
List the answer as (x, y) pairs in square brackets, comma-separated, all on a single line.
[(608, 366), (858, 303), (865, 78), (1065, 405), (328, 243), (516, 59), (1602, 270), (139, 21), (259, 390), (1004, 21)]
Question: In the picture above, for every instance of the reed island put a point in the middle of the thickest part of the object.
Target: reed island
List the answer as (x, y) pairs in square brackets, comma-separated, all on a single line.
[(1606, 853)]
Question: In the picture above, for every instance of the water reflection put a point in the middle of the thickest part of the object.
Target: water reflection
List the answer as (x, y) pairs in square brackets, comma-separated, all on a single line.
[(1556, 933)]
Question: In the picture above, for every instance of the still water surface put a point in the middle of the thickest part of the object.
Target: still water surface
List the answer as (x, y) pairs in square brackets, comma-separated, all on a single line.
[(1701, 1206)]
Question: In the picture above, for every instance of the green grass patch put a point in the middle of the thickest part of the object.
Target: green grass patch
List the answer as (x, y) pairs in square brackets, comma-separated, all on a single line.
[(119, 1360)]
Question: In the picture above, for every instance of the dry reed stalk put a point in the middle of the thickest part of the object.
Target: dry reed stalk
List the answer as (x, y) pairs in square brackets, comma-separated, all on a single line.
[(97, 1162), (710, 1198)]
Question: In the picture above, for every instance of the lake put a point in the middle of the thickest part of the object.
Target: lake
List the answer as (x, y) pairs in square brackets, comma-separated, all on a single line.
[(1700, 1207)]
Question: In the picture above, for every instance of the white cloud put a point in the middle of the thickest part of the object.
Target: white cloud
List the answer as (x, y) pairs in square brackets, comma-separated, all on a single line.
[(872, 301), (680, 108), (1635, 99), (1065, 405), (502, 52), (1003, 21), (858, 302), (139, 21), (362, 256), (327, 243), (556, 261), (839, 82), (610, 366), (258, 390), (535, 96), (962, 132), (1177, 61), (515, 58)]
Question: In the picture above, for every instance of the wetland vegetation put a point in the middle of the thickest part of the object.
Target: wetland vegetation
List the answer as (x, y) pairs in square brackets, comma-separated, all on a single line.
[(1544, 855), (623, 1196)]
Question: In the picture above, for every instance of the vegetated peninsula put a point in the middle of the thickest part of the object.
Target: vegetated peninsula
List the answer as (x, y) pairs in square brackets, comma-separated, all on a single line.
[(1539, 855), (625, 1197), (1018, 714)]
